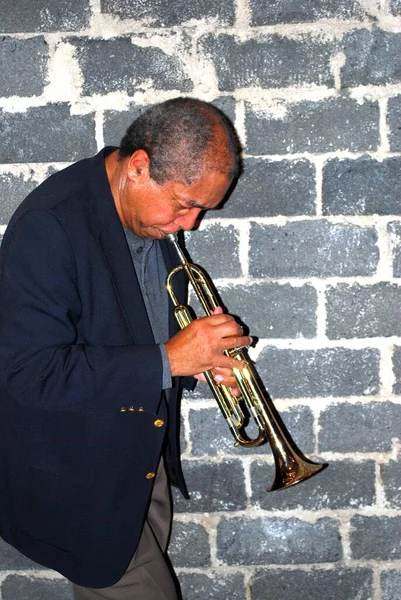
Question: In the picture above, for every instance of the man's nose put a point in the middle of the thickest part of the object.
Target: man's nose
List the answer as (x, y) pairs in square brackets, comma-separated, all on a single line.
[(188, 220)]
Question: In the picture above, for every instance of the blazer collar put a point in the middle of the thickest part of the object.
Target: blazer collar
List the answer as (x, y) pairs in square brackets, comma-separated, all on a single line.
[(109, 232), (108, 229)]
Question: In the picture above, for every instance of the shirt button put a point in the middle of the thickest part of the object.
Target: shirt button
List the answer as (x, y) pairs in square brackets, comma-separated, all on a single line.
[(150, 475), (139, 250), (158, 423)]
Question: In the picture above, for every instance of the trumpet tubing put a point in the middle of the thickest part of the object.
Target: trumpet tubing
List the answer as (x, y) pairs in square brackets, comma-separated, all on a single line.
[(291, 466)]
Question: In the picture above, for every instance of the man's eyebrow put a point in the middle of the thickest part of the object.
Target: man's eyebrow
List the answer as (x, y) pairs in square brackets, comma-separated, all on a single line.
[(195, 204)]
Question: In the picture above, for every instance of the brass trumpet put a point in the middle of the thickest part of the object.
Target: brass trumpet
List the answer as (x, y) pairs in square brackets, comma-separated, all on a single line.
[(291, 465)]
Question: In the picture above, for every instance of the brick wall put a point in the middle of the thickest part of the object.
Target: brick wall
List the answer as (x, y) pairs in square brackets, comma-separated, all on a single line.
[(307, 252)]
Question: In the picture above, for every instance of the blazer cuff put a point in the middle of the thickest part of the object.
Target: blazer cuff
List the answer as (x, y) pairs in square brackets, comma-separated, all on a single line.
[(166, 381)]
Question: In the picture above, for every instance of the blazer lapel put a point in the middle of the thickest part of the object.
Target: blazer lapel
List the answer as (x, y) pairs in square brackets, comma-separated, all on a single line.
[(113, 244)]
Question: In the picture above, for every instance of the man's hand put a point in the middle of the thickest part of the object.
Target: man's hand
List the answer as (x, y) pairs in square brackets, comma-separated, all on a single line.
[(200, 346), (224, 376)]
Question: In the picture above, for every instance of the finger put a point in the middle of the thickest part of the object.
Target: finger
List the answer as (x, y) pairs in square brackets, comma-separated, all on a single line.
[(231, 363), (228, 343), (200, 377), (217, 311)]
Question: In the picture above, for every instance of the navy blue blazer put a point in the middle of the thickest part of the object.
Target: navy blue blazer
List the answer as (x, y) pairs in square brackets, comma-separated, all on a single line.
[(76, 349)]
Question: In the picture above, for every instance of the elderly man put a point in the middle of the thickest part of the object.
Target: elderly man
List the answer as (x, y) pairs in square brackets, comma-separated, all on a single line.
[(91, 363)]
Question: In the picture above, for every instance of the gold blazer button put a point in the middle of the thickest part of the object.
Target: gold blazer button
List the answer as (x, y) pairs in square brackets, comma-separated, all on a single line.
[(158, 423), (150, 475)]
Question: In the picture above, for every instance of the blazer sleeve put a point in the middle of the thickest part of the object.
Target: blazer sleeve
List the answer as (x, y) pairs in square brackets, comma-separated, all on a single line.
[(40, 307)]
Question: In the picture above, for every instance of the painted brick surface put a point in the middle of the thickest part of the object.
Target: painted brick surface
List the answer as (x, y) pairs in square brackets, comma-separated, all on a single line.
[(333, 124), (164, 14), (344, 484), (318, 373), (306, 253), (45, 134), (349, 584), (271, 188), (391, 585), (376, 537), (104, 71), (363, 311), (373, 57), (362, 187), (32, 16), (359, 427), (278, 541), (271, 61), (29, 59), (393, 121), (266, 12), (397, 369), (23, 588), (312, 249), (274, 310)]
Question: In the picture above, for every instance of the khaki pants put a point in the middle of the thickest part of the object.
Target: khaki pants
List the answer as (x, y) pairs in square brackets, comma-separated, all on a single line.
[(148, 576)]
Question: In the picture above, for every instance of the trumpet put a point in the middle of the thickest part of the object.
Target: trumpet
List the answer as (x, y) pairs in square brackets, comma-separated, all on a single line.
[(291, 466)]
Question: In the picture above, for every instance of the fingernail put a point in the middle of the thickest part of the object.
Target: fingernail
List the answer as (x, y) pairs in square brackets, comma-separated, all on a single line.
[(219, 378)]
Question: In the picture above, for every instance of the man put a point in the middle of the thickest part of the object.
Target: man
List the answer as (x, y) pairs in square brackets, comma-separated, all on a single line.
[(90, 357)]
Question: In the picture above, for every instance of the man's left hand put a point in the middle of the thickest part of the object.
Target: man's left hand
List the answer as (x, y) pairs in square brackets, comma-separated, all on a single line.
[(223, 376)]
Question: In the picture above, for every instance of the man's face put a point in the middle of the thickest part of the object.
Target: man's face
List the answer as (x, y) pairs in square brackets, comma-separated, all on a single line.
[(153, 211)]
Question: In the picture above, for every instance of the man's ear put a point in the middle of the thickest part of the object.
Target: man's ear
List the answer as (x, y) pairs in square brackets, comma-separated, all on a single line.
[(138, 165)]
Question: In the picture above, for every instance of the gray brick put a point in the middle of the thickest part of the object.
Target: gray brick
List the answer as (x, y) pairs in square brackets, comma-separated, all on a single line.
[(32, 15), (27, 58), (359, 427), (333, 584), (216, 250), (392, 483), (272, 12), (270, 188), (214, 586), (397, 369), (210, 434), (376, 538), (363, 311), (362, 187), (344, 484), (395, 7), (391, 580), (372, 57), (13, 189), (227, 105), (394, 122), (315, 373), (272, 310), (116, 123), (46, 134), (160, 13), (268, 61), (213, 486), (17, 587), (325, 126), (189, 545), (312, 249), (12, 560), (277, 541), (103, 70)]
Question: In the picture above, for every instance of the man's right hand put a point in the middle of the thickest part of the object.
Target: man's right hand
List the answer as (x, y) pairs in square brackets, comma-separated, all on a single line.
[(200, 346)]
